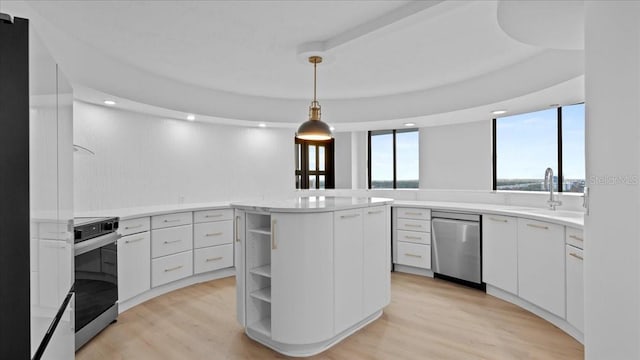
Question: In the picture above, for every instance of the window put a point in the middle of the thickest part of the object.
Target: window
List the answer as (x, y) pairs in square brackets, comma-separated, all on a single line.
[(525, 145), (393, 159), (314, 164)]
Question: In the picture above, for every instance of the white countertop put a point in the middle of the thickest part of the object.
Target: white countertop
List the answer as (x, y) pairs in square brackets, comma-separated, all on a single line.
[(312, 204), (136, 212)]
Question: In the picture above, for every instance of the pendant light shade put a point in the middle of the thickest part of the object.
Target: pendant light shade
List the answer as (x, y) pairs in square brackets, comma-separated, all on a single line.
[(314, 128)]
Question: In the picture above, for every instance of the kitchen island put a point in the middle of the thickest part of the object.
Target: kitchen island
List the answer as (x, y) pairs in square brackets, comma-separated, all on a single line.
[(311, 270)]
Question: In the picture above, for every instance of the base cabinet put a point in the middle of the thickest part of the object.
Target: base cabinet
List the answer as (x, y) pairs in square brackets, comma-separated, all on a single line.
[(541, 270), (134, 265), (575, 287), (348, 242), (376, 260), (500, 252)]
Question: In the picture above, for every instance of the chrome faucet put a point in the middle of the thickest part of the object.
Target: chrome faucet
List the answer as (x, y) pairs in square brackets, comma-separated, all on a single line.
[(548, 183)]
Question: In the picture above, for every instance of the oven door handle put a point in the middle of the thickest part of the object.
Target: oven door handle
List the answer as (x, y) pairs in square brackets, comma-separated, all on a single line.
[(92, 244)]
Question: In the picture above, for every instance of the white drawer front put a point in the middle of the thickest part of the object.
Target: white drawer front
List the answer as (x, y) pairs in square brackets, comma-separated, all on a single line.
[(212, 215), (574, 237), (133, 226), (53, 231), (413, 213), (212, 258), (414, 237), (416, 255), (172, 240), (177, 219), (414, 225), (171, 268), (212, 233)]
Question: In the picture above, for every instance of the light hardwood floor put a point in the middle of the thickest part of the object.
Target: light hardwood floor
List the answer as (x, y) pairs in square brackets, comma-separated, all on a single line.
[(427, 319)]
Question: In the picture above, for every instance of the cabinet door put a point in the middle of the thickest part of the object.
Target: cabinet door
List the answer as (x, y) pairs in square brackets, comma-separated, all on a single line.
[(348, 268), (575, 287), (238, 241), (376, 259), (134, 265), (500, 252), (302, 277), (541, 265)]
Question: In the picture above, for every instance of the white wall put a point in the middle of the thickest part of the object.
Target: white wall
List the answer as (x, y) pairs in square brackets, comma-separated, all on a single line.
[(342, 160), (144, 160), (612, 233), (456, 156)]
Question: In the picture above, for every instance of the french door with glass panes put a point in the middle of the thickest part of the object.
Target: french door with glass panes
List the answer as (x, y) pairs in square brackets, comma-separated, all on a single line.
[(314, 164)]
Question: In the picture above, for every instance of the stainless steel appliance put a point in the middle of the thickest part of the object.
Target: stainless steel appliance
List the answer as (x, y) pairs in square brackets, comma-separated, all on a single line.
[(96, 276), (455, 247)]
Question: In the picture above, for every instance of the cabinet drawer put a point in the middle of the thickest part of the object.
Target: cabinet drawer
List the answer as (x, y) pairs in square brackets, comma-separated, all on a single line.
[(53, 231), (574, 237), (416, 255), (171, 268), (414, 225), (414, 237), (172, 240), (212, 215), (212, 233), (413, 213), (212, 258), (177, 219), (132, 226)]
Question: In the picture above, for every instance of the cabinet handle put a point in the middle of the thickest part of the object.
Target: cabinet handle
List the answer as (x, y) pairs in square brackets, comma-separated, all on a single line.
[(576, 237), (213, 215), (498, 220), (214, 234), (215, 258), (174, 268), (375, 212), (237, 228), (170, 221), (413, 255), (413, 225), (576, 256), (274, 245), (538, 226), (412, 237), (133, 240), (54, 246), (108, 263), (56, 232), (414, 213), (172, 241), (132, 227), (349, 216)]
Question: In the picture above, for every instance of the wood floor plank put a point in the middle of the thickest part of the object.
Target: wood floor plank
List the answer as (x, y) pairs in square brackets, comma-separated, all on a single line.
[(427, 319)]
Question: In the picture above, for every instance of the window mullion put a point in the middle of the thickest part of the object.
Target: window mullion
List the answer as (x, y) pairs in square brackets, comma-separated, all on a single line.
[(560, 172)]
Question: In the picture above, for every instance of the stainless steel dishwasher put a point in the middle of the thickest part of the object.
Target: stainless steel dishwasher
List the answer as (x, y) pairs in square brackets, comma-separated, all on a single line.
[(455, 247)]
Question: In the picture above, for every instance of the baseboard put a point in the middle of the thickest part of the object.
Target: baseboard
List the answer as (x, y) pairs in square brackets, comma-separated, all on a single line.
[(412, 270)]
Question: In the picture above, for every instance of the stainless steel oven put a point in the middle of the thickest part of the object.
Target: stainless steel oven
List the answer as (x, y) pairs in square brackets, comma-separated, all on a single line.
[(96, 276)]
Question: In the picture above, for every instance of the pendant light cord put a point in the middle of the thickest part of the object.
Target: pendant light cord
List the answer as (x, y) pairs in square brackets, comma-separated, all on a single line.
[(315, 64)]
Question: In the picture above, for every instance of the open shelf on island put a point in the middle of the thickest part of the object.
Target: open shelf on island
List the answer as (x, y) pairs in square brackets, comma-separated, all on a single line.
[(262, 270), (262, 231), (262, 294), (263, 326)]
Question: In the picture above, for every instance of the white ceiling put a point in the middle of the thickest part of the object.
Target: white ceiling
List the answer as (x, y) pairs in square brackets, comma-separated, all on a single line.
[(238, 59)]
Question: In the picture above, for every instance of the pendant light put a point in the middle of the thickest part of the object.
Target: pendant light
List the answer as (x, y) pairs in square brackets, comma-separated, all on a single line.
[(314, 128)]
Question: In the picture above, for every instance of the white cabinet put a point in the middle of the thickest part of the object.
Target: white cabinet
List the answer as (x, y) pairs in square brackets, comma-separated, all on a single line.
[(541, 269), (171, 240), (500, 252), (239, 252), (376, 259), (171, 268), (348, 243), (412, 237), (302, 281), (169, 220), (212, 233), (212, 215), (134, 265), (575, 277), (133, 226), (212, 258)]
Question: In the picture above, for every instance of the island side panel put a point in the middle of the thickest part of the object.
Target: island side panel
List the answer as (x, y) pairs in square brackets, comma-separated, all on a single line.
[(376, 259), (302, 310)]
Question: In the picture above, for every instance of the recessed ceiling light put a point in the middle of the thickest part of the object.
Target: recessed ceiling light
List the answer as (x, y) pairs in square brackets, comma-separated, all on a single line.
[(499, 112), (109, 102), (331, 128), (262, 125), (409, 124), (191, 117)]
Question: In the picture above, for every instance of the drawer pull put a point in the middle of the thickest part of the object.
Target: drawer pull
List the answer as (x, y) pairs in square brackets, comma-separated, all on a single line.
[(213, 215), (57, 232), (375, 212), (237, 231), (133, 240), (174, 268), (576, 256), (170, 221), (172, 241), (108, 263), (215, 234), (413, 225), (54, 246), (576, 237), (498, 220), (538, 226), (414, 213), (412, 237), (274, 245), (215, 258), (133, 227), (349, 216), (413, 255)]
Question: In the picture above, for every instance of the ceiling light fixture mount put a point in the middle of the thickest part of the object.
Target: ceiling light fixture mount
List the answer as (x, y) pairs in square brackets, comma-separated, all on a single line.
[(314, 128), (499, 112)]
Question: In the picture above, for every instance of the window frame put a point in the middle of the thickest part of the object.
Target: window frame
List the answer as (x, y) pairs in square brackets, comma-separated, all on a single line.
[(559, 144), (303, 157), (394, 132)]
